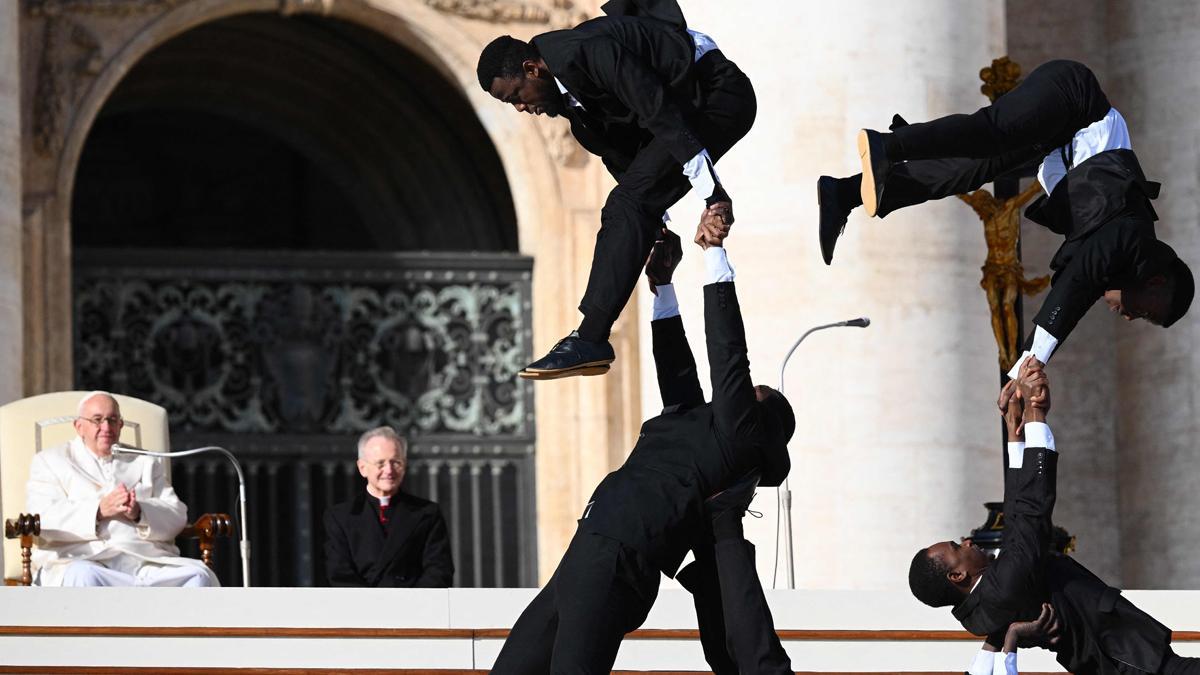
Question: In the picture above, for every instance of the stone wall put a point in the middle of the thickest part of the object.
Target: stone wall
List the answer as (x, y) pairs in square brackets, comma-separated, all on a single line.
[(11, 287), (1154, 55)]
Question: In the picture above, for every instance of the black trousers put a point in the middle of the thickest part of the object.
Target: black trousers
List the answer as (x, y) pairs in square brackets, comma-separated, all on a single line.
[(956, 154), (632, 216), (1174, 664), (600, 591), (736, 629), (1053, 102)]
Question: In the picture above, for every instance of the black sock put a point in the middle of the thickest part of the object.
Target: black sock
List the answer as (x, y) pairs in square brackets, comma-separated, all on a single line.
[(891, 146), (849, 191), (593, 330)]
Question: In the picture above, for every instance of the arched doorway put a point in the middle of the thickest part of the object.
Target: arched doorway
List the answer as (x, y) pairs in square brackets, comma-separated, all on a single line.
[(247, 213)]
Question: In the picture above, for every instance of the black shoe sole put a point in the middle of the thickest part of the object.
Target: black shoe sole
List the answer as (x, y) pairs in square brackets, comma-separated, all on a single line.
[(586, 369)]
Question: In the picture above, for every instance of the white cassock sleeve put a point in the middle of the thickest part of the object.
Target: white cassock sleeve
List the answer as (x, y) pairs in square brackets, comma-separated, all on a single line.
[(163, 515), (64, 519)]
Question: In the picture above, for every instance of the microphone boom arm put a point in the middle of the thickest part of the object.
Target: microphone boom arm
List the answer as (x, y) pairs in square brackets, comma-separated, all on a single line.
[(244, 544), (785, 492)]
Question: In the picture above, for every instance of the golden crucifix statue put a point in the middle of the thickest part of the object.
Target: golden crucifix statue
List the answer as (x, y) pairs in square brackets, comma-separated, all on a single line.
[(1003, 275)]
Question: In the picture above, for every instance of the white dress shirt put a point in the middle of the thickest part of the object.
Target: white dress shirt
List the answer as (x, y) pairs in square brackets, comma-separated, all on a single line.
[(993, 663), (1109, 133), (716, 269)]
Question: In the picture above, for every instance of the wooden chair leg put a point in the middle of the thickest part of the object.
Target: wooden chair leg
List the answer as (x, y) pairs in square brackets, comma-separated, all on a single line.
[(24, 527)]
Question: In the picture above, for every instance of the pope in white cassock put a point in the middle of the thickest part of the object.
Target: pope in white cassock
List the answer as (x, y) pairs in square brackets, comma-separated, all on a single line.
[(107, 521)]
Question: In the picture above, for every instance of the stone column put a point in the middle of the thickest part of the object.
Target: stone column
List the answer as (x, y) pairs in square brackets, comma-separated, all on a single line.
[(897, 442), (1153, 59), (11, 323)]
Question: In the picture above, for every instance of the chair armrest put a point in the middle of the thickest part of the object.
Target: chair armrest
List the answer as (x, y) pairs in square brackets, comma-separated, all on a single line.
[(207, 528), (25, 527)]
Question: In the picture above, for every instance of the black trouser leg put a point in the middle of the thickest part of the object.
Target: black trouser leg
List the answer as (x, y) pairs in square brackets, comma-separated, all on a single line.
[(632, 215), (700, 579), (749, 627), (1174, 664), (923, 180), (604, 590), (530, 643), (629, 223), (1053, 102)]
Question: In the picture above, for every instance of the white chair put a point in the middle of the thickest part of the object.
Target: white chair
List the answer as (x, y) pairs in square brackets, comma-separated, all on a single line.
[(31, 424)]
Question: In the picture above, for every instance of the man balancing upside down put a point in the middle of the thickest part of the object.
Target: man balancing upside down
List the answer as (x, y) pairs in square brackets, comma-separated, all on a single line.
[(659, 104), (1099, 631), (1096, 194), (684, 487)]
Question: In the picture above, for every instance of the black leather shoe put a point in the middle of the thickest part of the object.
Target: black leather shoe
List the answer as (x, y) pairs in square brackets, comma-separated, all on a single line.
[(875, 167), (833, 215), (572, 356)]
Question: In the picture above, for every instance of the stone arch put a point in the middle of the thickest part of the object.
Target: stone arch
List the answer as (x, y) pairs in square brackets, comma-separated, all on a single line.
[(528, 164)]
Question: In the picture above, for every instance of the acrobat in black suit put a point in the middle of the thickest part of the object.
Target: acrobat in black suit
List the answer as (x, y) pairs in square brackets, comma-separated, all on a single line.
[(1096, 194), (694, 467), (659, 104), (1100, 631)]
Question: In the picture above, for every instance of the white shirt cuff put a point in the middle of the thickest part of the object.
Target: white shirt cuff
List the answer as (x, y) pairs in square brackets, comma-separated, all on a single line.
[(1016, 454), (1038, 435), (1005, 664), (982, 663), (716, 265), (665, 303), (1043, 347), (701, 174)]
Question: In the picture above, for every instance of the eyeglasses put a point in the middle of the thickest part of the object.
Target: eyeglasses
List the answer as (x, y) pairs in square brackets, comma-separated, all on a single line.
[(396, 464), (113, 420)]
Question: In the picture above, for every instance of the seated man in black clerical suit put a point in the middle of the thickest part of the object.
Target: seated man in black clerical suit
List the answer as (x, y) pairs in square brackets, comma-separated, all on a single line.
[(644, 517), (1099, 630), (1096, 194), (659, 104), (384, 537)]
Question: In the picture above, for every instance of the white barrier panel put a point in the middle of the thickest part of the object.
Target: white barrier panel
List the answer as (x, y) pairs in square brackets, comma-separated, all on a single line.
[(462, 629)]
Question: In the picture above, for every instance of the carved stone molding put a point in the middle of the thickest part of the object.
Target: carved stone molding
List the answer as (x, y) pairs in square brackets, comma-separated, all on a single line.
[(564, 149), (70, 52), (560, 13), (113, 8), (291, 7)]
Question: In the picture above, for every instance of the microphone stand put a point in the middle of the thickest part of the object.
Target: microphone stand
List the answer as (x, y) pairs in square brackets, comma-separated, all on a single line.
[(244, 544), (784, 492)]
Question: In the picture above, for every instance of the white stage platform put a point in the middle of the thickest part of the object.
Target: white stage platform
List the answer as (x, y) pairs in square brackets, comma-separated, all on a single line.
[(62, 630)]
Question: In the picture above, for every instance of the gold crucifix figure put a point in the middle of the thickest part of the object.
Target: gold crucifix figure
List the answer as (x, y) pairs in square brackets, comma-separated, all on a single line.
[(1003, 275)]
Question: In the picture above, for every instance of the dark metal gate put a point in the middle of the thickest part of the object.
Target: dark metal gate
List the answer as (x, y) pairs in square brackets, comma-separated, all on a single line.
[(285, 357)]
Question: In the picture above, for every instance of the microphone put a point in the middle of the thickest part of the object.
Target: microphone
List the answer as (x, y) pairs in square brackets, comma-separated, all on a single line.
[(784, 492), (244, 544)]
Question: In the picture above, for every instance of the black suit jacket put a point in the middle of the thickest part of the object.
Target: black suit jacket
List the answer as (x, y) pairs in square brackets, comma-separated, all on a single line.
[(654, 503), (413, 552), (633, 73), (1102, 207), (1102, 632)]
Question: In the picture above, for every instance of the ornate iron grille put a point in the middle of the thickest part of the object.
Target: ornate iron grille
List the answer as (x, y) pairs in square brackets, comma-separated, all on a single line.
[(285, 357)]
